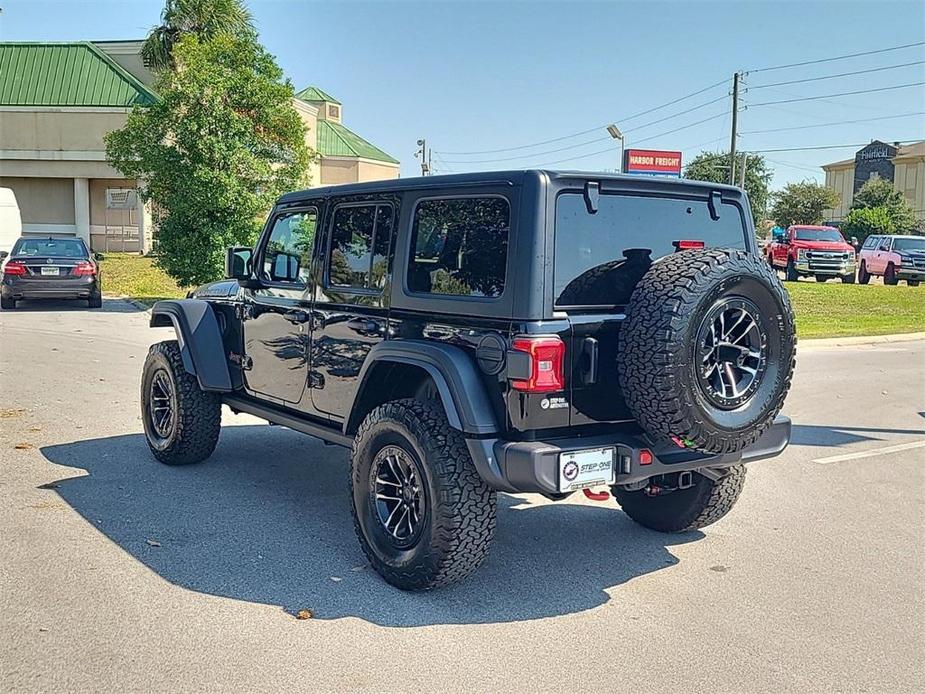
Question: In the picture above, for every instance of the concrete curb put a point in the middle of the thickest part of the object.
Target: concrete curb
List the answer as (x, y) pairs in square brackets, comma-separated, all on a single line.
[(825, 342), (137, 304)]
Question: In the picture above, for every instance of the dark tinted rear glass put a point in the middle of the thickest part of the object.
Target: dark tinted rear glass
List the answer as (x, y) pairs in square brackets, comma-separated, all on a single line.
[(600, 257), (60, 248)]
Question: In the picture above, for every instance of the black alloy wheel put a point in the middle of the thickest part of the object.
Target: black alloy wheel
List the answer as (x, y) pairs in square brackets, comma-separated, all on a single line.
[(401, 501), (732, 340)]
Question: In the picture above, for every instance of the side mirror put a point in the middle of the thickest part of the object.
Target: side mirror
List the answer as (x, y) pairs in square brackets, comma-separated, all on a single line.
[(4, 254), (854, 241), (238, 262), (99, 256)]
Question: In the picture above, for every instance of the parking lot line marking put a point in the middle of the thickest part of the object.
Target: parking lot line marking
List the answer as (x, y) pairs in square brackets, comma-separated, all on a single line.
[(870, 454)]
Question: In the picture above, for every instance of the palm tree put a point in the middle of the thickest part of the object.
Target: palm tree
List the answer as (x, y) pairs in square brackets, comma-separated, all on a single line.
[(205, 18)]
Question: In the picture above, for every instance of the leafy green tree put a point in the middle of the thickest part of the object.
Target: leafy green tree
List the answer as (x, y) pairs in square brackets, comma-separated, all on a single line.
[(712, 166), (865, 221), (220, 145), (802, 203), (201, 18), (879, 192)]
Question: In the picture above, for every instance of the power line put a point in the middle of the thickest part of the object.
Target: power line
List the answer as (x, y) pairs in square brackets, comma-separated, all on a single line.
[(841, 74), (530, 154), (790, 165), (672, 103), (535, 144), (840, 122), (591, 130), (675, 115), (806, 149), (828, 96), (839, 57), (683, 127)]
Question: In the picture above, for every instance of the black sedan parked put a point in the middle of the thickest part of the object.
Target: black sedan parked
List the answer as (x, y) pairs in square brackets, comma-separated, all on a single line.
[(50, 268)]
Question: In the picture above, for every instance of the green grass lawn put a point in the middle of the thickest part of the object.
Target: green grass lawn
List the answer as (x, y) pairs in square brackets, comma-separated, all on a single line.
[(838, 310), (822, 310), (135, 276)]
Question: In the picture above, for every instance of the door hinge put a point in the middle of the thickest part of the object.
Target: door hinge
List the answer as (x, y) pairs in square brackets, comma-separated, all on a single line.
[(315, 379), (247, 363)]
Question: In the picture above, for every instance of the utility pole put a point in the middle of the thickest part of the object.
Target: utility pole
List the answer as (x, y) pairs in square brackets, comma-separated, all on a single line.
[(424, 155), (735, 114)]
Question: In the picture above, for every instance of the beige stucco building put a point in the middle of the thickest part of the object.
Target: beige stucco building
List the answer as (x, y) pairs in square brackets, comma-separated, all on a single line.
[(58, 101), (903, 165)]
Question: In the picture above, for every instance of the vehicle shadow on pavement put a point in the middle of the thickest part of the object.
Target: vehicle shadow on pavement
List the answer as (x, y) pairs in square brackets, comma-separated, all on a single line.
[(48, 305), (267, 520), (827, 436)]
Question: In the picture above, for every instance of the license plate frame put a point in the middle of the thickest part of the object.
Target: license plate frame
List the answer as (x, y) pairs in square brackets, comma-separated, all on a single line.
[(589, 467), (50, 271)]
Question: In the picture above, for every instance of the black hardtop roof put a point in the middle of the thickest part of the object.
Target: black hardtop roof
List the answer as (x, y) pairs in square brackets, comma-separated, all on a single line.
[(490, 178)]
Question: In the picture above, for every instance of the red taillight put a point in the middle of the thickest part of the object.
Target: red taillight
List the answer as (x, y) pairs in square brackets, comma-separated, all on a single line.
[(14, 267), (688, 244), (84, 269), (546, 357), (645, 457)]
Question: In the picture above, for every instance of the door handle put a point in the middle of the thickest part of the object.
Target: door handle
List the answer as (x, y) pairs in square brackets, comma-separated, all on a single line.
[(297, 316)]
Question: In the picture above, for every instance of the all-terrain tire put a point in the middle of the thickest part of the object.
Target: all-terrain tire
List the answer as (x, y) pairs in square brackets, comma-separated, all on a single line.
[(192, 433), (889, 275), (791, 274), (848, 279), (662, 343), (458, 520), (7, 304), (913, 283), (684, 509), (863, 274)]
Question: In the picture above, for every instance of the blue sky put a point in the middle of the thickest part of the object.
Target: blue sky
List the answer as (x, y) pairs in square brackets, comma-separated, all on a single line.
[(480, 76)]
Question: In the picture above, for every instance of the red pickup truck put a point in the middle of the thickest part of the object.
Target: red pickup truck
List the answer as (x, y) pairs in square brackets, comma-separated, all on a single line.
[(818, 251)]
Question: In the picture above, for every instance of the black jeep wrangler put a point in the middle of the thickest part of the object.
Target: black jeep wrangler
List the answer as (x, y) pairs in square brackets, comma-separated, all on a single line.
[(524, 331)]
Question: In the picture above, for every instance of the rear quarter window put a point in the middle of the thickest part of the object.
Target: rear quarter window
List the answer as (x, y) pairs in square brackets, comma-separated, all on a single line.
[(600, 257), (459, 247)]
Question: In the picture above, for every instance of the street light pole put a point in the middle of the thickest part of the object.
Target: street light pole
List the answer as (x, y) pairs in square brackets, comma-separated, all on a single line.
[(617, 135)]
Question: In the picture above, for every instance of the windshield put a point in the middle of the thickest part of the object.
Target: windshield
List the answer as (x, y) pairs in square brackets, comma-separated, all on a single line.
[(818, 235), (60, 248), (601, 256), (909, 243)]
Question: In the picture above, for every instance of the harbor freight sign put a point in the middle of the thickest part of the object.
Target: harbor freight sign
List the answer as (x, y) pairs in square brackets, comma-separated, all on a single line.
[(651, 162)]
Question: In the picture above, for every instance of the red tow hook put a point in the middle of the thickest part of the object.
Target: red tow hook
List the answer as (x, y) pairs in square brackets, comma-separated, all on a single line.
[(596, 496)]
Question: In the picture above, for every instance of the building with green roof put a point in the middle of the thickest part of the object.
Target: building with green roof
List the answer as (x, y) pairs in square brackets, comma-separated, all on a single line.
[(57, 102), (345, 156)]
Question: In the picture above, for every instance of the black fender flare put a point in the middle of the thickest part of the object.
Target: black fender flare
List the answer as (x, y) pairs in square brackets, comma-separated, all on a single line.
[(201, 345), (459, 385)]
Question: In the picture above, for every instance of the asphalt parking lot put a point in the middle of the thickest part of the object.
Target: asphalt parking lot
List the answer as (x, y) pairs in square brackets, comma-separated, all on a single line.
[(117, 573)]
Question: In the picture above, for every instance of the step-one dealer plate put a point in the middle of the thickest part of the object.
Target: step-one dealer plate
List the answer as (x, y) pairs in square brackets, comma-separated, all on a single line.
[(582, 469)]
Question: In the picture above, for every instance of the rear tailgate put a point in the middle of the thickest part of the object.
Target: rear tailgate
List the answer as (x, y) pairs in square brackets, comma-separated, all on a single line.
[(601, 255)]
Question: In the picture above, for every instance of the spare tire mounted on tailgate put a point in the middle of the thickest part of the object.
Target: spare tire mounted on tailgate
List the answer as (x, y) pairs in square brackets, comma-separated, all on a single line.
[(707, 349)]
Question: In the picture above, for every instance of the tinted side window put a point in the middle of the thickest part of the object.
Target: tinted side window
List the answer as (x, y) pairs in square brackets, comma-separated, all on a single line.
[(600, 257), (870, 242), (459, 246), (288, 253), (360, 246)]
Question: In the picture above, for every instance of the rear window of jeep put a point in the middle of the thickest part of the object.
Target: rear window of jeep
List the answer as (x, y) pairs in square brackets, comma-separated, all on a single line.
[(601, 256)]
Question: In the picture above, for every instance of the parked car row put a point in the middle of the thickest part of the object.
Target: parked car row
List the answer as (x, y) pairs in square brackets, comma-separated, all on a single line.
[(822, 252)]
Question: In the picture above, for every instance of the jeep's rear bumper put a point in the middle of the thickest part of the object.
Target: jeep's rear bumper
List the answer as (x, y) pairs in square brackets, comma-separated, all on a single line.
[(533, 466)]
